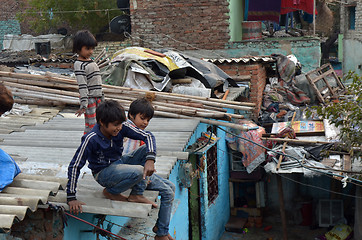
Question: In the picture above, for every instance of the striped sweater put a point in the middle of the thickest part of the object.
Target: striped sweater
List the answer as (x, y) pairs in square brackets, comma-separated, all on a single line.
[(89, 81)]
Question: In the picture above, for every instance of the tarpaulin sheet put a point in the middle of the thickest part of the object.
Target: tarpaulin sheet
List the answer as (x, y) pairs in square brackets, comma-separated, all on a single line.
[(159, 68), (8, 169)]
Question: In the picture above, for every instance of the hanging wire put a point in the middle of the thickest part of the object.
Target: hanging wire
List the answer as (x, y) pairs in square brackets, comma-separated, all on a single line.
[(95, 226), (286, 155)]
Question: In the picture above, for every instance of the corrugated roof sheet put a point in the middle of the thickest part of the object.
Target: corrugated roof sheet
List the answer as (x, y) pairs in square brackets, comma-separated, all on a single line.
[(245, 59), (43, 143)]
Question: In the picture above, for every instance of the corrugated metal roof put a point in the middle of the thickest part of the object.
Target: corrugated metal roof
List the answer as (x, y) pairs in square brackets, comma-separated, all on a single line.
[(43, 143), (245, 59)]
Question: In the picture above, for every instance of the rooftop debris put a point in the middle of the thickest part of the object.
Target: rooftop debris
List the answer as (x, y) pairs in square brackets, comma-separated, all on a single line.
[(58, 91)]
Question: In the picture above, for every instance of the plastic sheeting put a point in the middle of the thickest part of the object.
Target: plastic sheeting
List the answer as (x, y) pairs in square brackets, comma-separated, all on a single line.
[(159, 68), (8, 169)]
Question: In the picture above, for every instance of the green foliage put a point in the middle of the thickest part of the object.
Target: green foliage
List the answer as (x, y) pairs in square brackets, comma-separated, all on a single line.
[(346, 114), (46, 15)]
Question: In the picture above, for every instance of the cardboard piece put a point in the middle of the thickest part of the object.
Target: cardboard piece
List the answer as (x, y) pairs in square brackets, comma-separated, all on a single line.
[(300, 127)]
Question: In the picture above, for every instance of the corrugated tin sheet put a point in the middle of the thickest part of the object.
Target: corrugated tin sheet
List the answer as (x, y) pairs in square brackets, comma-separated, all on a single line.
[(43, 143), (246, 59), (31, 56)]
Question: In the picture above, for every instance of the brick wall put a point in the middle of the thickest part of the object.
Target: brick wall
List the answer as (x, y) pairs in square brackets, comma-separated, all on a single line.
[(258, 75), (344, 20), (180, 24), (111, 47), (41, 224)]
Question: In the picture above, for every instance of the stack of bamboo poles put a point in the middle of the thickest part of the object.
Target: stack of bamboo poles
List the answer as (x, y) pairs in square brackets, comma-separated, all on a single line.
[(55, 90)]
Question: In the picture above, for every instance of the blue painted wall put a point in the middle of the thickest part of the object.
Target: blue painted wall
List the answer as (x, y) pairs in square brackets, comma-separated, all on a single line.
[(216, 215), (8, 27), (76, 229), (179, 225)]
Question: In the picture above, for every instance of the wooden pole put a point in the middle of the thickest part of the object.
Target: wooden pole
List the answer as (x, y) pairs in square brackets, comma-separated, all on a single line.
[(282, 207), (285, 143), (164, 94), (294, 141)]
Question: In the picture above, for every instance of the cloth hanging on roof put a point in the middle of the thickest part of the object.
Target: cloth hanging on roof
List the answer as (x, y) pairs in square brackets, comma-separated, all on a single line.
[(264, 10), (8, 169), (291, 6), (253, 155)]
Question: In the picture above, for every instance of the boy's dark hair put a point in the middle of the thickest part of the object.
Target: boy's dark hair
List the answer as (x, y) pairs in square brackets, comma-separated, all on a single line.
[(6, 99), (110, 111), (83, 38), (142, 106)]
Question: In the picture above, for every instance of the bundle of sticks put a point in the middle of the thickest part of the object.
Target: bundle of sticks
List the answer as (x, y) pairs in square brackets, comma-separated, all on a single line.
[(56, 90)]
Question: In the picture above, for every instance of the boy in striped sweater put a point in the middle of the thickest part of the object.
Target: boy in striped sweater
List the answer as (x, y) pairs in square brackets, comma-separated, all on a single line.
[(88, 78)]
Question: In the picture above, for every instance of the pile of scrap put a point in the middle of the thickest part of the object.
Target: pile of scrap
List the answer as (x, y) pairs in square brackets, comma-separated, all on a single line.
[(58, 90), (305, 141)]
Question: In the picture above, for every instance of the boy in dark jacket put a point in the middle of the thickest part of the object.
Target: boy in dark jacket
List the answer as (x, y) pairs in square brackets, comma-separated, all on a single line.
[(103, 147)]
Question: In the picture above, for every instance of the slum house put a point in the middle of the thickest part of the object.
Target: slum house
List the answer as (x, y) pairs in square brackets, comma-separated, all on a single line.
[(238, 175), (212, 200), (249, 45)]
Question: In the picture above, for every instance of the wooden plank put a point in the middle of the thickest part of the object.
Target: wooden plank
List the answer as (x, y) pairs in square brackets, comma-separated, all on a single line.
[(316, 91), (322, 76), (285, 143), (347, 164)]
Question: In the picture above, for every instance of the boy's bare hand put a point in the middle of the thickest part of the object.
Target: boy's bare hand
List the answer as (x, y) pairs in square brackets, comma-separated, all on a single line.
[(75, 206), (80, 112), (149, 168)]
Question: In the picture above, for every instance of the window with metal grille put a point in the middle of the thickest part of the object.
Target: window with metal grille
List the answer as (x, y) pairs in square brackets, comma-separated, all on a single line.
[(212, 173), (352, 17)]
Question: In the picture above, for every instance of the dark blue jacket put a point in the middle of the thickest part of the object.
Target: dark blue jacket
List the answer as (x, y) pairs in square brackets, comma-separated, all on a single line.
[(102, 152)]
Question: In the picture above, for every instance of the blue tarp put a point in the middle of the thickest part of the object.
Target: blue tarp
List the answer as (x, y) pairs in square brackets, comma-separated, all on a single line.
[(8, 169)]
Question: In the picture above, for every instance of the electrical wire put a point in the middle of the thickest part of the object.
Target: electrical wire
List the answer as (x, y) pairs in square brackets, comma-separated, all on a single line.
[(286, 155), (95, 226)]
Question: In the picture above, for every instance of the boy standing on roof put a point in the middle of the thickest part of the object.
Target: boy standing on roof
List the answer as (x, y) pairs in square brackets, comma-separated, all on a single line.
[(88, 78), (103, 147)]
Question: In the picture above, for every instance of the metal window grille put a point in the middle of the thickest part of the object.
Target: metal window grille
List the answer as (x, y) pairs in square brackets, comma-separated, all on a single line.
[(212, 174)]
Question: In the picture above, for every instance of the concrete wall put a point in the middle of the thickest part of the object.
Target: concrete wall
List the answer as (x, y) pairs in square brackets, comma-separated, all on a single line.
[(352, 38), (306, 49), (352, 56)]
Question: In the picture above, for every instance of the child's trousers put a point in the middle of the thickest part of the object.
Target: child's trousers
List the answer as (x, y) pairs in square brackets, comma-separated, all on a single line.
[(90, 113), (127, 173)]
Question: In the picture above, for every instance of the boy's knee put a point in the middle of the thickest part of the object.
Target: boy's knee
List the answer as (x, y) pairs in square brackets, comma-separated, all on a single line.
[(169, 195), (138, 171), (173, 187)]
